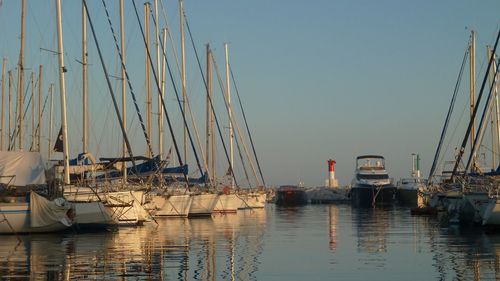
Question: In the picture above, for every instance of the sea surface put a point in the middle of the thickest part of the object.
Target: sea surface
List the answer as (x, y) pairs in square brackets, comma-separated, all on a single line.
[(312, 242)]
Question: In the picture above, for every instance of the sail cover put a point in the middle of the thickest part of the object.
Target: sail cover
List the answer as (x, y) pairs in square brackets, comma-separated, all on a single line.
[(26, 167)]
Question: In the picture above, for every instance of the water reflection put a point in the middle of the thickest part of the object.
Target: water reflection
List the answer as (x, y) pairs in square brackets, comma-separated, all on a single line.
[(225, 247), (272, 244)]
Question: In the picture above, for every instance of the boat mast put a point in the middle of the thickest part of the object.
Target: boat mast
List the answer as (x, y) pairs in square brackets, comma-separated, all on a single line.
[(40, 92), (62, 90), (163, 79), (183, 73), (209, 116), (472, 87), (32, 111), (84, 79), (124, 88), (160, 93), (497, 109), (231, 136), (212, 121), (10, 111), (51, 92), (4, 64), (20, 87), (148, 79)]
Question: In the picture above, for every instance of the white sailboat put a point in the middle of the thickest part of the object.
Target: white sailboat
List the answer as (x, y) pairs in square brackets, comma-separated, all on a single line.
[(21, 209)]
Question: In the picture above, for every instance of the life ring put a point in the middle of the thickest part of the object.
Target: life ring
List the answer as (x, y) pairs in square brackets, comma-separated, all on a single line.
[(226, 190)]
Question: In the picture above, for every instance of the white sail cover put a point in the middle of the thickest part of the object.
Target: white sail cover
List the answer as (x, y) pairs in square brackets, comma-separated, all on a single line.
[(46, 213), (27, 167)]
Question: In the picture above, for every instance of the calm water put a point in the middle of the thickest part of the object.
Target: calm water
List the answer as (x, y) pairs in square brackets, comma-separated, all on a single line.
[(314, 242)]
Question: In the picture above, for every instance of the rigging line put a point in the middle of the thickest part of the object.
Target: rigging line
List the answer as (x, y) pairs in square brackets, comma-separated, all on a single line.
[(448, 115), (176, 93), (246, 125), (244, 167), (41, 115), (211, 103), (231, 119), (138, 111), (17, 121), (193, 121), (170, 36), (110, 87), (471, 122), (482, 123), (162, 101)]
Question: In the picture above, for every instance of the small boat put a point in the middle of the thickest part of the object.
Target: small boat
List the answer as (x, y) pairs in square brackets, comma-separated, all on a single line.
[(410, 191), (290, 195), (371, 184)]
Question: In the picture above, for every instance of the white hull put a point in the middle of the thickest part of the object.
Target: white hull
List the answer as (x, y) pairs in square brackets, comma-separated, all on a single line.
[(127, 207), (253, 200), (16, 218), (124, 207), (36, 216), (171, 206), (228, 203), (203, 204), (93, 214)]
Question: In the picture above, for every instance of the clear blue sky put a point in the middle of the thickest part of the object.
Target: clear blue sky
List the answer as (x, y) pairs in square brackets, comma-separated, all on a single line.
[(319, 80)]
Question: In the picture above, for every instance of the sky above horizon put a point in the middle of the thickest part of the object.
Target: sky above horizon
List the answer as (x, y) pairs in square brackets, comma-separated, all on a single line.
[(319, 80)]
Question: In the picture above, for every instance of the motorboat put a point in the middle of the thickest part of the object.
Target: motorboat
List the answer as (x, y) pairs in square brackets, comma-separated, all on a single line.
[(290, 195), (371, 184)]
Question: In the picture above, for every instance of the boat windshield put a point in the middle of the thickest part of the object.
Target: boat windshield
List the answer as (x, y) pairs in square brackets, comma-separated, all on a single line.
[(373, 177)]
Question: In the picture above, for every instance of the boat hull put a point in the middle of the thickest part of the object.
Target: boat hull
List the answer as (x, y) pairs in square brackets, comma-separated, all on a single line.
[(291, 197), (16, 218), (253, 200), (93, 215), (370, 195), (228, 203), (172, 206), (203, 205), (409, 197)]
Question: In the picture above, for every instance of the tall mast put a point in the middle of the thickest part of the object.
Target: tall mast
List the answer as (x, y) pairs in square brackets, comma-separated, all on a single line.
[(62, 90), (21, 77), (32, 144), (148, 79), (472, 87), (4, 64), (40, 93), (9, 133), (183, 67), (84, 79), (51, 92), (160, 76), (212, 120), (163, 79), (495, 117), (231, 136), (124, 88), (208, 111)]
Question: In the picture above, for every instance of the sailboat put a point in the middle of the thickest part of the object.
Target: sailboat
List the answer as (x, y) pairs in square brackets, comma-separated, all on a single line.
[(22, 207)]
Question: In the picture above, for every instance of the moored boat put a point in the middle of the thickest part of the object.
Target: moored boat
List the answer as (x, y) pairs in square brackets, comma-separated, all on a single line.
[(290, 195), (371, 184)]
